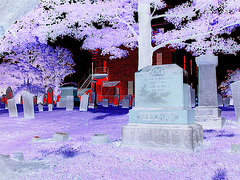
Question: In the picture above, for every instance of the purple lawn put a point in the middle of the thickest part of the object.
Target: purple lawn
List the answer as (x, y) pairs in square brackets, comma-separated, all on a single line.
[(79, 159)]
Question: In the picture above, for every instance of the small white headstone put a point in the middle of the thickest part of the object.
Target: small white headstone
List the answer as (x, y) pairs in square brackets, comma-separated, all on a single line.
[(50, 106), (36, 139), (235, 148), (100, 138), (69, 103), (18, 156), (59, 136), (28, 107), (235, 88), (12, 108), (125, 103), (105, 103), (84, 103), (40, 107)]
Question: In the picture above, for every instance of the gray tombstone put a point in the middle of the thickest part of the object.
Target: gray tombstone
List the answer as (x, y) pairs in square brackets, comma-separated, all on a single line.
[(105, 103), (69, 103), (161, 118), (125, 103), (28, 107), (84, 103), (12, 108), (220, 100), (193, 97), (133, 102), (40, 107), (50, 107), (207, 113), (226, 101), (235, 88)]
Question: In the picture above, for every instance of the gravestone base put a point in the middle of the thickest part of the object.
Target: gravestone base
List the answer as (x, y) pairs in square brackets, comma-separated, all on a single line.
[(62, 102), (209, 117), (162, 115), (92, 106), (187, 138)]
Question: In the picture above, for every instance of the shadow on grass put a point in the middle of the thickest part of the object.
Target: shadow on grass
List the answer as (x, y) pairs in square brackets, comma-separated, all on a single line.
[(110, 111)]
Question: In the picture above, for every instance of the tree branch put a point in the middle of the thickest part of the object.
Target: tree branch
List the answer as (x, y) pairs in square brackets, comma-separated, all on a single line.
[(170, 15), (130, 27), (192, 36)]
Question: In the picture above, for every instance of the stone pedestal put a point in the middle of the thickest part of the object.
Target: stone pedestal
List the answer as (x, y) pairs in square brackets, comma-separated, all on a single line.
[(187, 138), (162, 117), (207, 113)]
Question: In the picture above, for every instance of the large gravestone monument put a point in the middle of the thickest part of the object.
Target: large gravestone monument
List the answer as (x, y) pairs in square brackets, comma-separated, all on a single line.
[(235, 88), (12, 108), (28, 107), (161, 119), (207, 113)]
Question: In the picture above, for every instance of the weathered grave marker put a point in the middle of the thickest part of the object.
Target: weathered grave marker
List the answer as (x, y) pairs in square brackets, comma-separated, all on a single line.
[(50, 107), (60, 136), (100, 138), (18, 156), (40, 107), (235, 148), (28, 105), (207, 113), (235, 88), (125, 103), (69, 103), (220, 100), (12, 108), (226, 102), (105, 103), (84, 103)]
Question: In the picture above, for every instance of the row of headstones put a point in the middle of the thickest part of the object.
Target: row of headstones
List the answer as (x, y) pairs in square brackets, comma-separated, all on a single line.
[(224, 101), (28, 105), (126, 102)]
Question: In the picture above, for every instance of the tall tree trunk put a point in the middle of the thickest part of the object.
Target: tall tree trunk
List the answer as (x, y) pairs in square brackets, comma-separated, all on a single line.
[(145, 49)]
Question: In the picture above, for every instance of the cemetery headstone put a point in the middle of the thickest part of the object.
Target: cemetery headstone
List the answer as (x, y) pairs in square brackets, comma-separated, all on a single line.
[(130, 99), (220, 100), (93, 99), (84, 103), (12, 108), (125, 103), (100, 138), (226, 102), (133, 102), (60, 136), (160, 118), (193, 97), (235, 88), (18, 156), (69, 103), (40, 107), (50, 107), (207, 113), (36, 139), (28, 107), (235, 148), (105, 103)]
